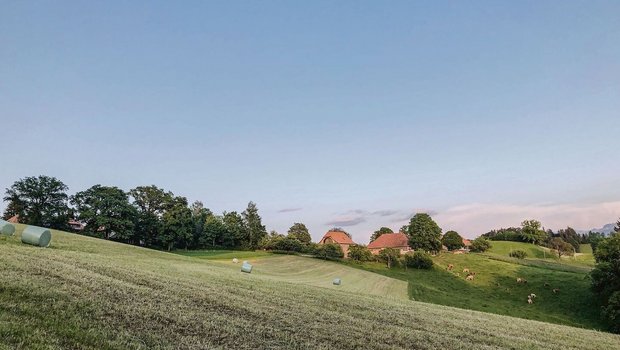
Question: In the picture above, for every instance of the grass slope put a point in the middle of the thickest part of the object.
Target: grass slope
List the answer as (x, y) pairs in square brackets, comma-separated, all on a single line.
[(92, 294), (495, 290)]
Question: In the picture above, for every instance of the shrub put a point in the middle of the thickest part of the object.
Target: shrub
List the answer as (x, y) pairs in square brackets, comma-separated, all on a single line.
[(480, 245), (418, 260), (452, 240), (329, 251), (360, 253), (288, 244), (389, 256), (519, 254)]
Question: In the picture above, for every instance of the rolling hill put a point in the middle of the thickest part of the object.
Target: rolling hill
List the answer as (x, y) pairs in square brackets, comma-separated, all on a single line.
[(85, 293)]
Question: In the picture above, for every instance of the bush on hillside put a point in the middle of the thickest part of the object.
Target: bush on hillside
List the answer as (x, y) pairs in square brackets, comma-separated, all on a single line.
[(606, 279), (329, 251), (360, 253), (452, 240), (389, 256), (519, 254), (288, 244), (418, 260), (480, 245)]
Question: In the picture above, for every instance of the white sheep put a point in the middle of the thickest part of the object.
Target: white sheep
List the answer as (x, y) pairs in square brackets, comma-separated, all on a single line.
[(235, 260)]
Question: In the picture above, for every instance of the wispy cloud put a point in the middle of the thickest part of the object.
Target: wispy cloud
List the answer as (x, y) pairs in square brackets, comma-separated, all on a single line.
[(288, 210), (385, 212), (346, 221), (408, 217)]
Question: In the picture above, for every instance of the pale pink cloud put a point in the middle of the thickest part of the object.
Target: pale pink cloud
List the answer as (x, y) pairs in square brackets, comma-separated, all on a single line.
[(474, 219)]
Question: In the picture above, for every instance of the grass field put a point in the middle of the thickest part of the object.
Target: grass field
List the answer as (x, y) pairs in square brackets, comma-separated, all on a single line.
[(495, 290), (222, 254), (85, 293)]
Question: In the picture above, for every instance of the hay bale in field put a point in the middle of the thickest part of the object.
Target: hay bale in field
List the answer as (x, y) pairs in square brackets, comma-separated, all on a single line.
[(246, 267), (337, 281), (38, 236), (6, 228), (235, 260)]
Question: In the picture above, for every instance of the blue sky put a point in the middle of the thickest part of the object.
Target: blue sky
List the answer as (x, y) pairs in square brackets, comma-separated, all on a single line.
[(348, 113)]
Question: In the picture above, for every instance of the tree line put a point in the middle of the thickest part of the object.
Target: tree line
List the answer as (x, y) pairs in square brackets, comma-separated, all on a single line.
[(146, 215)]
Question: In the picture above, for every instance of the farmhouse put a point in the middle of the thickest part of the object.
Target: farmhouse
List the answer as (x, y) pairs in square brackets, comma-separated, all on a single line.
[(390, 240), (340, 238), (14, 219)]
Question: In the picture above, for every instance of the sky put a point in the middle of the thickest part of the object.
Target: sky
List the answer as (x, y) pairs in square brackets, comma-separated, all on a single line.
[(355, 114)]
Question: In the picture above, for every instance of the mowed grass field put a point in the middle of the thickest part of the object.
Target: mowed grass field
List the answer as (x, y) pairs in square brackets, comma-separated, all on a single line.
[(494, 288), (85, 293)]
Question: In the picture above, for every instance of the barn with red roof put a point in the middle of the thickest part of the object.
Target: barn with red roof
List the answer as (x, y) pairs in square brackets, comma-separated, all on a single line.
[(340, 238), (390, 240)]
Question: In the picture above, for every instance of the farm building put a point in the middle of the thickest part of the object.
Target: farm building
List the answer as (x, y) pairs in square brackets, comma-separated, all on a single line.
[(14, 219), (390, 240), (340, 238)]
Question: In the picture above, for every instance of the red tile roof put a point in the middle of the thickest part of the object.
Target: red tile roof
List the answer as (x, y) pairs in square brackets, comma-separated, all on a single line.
[(14, 219), (390, 240), (338, 237), (466, 242)]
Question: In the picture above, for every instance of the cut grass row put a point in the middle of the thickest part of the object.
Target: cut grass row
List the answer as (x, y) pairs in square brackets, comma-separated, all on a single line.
[(85, 293)]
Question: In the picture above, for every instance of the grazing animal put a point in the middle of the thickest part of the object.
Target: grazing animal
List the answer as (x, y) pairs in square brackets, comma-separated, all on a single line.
[(450, 267), (469, 278), (235, 260), (465, 270), (532, 295), (521, 280), (555, 290), (530, 301)]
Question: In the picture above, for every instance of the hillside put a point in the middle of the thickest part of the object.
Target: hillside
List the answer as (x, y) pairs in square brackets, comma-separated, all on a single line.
[(92, 294), (495, 290)]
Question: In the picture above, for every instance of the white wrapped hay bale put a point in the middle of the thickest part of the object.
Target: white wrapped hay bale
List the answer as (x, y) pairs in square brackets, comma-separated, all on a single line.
[(337, 281), (6, 228), (246, 267), (37, 236), (235, 260)]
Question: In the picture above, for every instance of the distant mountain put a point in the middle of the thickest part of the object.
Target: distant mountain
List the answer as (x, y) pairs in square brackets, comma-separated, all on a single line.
[(605, 230)]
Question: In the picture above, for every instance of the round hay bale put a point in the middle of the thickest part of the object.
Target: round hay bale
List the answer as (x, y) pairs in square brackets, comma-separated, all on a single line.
[(38, 236), (337, 281), (235, 260), (6, 228)]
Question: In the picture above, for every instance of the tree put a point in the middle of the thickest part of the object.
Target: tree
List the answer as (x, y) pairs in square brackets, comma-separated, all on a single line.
[(256, 230), (617, 228), (199, 217), (40, 201), (177, 228), (606, 279), (300, 232), (561, 247), (151, 203), (452, 240), (106, 211), (594, 238), (288, 244), (235, 228), (569, 235), (379, 232), (389, 256), (214, 230), (531, 231), (360, 253), (329, 251), (480, 245), (424, 233), (418, 260)]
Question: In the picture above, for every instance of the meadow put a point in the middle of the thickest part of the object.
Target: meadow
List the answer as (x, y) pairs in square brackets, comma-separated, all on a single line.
[(86, 293), (494, 288)]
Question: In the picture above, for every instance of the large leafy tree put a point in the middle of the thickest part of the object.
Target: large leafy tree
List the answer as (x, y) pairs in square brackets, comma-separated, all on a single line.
[(452, 240), (151, 203), (424, 233), (177, 228), (569, 235), (253, 223), (106, 211), (236, 229), (561, 247), (300, 232), (379, 232), (531, 232), (40, 201), (606, 279), (199, 217)]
